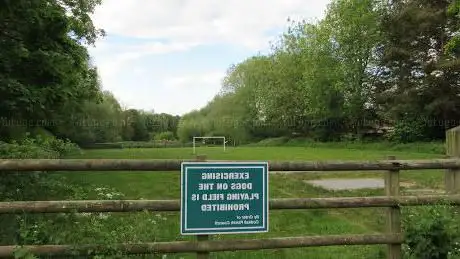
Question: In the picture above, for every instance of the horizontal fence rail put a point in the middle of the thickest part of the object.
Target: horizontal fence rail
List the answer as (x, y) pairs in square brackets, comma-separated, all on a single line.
[(17, 207), (210, 246), (174, 165), (393, 237)]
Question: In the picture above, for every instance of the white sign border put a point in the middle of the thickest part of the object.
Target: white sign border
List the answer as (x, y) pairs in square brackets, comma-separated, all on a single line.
[(249, 164)]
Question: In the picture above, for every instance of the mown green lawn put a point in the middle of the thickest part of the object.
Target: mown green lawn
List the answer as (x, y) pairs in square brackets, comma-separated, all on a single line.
[(165, 185)]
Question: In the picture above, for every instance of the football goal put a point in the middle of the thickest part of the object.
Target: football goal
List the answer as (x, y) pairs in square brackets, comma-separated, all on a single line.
[(203, 140)]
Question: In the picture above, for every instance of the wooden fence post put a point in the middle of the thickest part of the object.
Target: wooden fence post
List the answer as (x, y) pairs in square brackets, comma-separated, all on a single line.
[(202, 255), (393, 213), (452, 176)]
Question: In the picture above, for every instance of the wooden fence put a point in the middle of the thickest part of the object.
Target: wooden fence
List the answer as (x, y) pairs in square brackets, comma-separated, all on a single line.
[(203, 246)]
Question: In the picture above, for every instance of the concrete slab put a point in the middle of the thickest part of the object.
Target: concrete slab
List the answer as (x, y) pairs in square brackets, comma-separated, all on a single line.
[(348, 184)]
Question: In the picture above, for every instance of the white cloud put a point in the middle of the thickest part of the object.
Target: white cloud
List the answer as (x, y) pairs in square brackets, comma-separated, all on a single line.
[(241, 22), (184, 82), (176, 95), (171, 26), (132, 51)]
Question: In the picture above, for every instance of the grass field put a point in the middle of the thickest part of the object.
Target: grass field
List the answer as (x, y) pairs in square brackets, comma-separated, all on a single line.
[(165, 185)]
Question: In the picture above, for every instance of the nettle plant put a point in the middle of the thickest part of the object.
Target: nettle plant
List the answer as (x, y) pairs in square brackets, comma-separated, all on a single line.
[(89, 228), (431, 232)]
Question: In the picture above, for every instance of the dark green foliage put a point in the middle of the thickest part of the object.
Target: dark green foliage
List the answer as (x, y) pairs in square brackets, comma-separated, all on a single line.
[(453, 45), (137, 124), (16, 186), (432, 232), (41, 67), (167, 135), (409, 130), (418, 79), (22, 184), (47, 79), (367, 67)]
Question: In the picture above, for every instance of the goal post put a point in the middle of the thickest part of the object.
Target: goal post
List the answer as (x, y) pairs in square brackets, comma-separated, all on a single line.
[(204, 138)]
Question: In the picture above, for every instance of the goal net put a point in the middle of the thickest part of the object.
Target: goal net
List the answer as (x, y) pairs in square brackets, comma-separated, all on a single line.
[(208, 141)]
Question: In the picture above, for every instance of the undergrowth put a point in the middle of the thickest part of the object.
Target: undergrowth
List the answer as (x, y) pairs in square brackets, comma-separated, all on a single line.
[(63, 228), (431, 232)]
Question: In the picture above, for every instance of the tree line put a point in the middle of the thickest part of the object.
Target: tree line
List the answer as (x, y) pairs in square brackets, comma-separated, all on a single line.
[(368, 66), (49, 84)]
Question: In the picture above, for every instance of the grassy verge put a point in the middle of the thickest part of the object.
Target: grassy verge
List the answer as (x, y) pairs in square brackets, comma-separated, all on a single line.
[(419, 147), (165, 185)]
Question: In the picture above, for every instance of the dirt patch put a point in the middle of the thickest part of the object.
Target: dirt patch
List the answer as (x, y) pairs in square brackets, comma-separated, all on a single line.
[(365, 183), (348, 184)]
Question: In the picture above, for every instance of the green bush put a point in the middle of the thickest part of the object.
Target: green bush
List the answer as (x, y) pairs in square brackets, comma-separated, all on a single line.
[(17, 186), (63, 228), (30, 185), (168, 135), (408, 131), (431, 232), (87, 228), (38, 147)]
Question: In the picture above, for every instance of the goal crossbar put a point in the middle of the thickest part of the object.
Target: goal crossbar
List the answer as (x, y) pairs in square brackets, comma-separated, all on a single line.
[(195, 138)]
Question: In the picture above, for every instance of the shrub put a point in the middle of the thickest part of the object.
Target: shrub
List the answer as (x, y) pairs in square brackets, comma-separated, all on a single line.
[(63, 228), (431, 232), (27, 185), (16, 186), (38, 147), (167, 135), (89, 228), (408, 130)]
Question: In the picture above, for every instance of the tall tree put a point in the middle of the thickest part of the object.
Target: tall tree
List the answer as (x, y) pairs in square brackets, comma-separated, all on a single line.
[(42, 67), (354, 33), (419, 81)]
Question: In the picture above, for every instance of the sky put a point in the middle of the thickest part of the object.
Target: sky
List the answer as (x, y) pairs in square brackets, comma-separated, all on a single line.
[(171, 55)]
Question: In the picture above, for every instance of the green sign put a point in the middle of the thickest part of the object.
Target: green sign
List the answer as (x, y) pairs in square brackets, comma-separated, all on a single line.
[(224, 197)]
